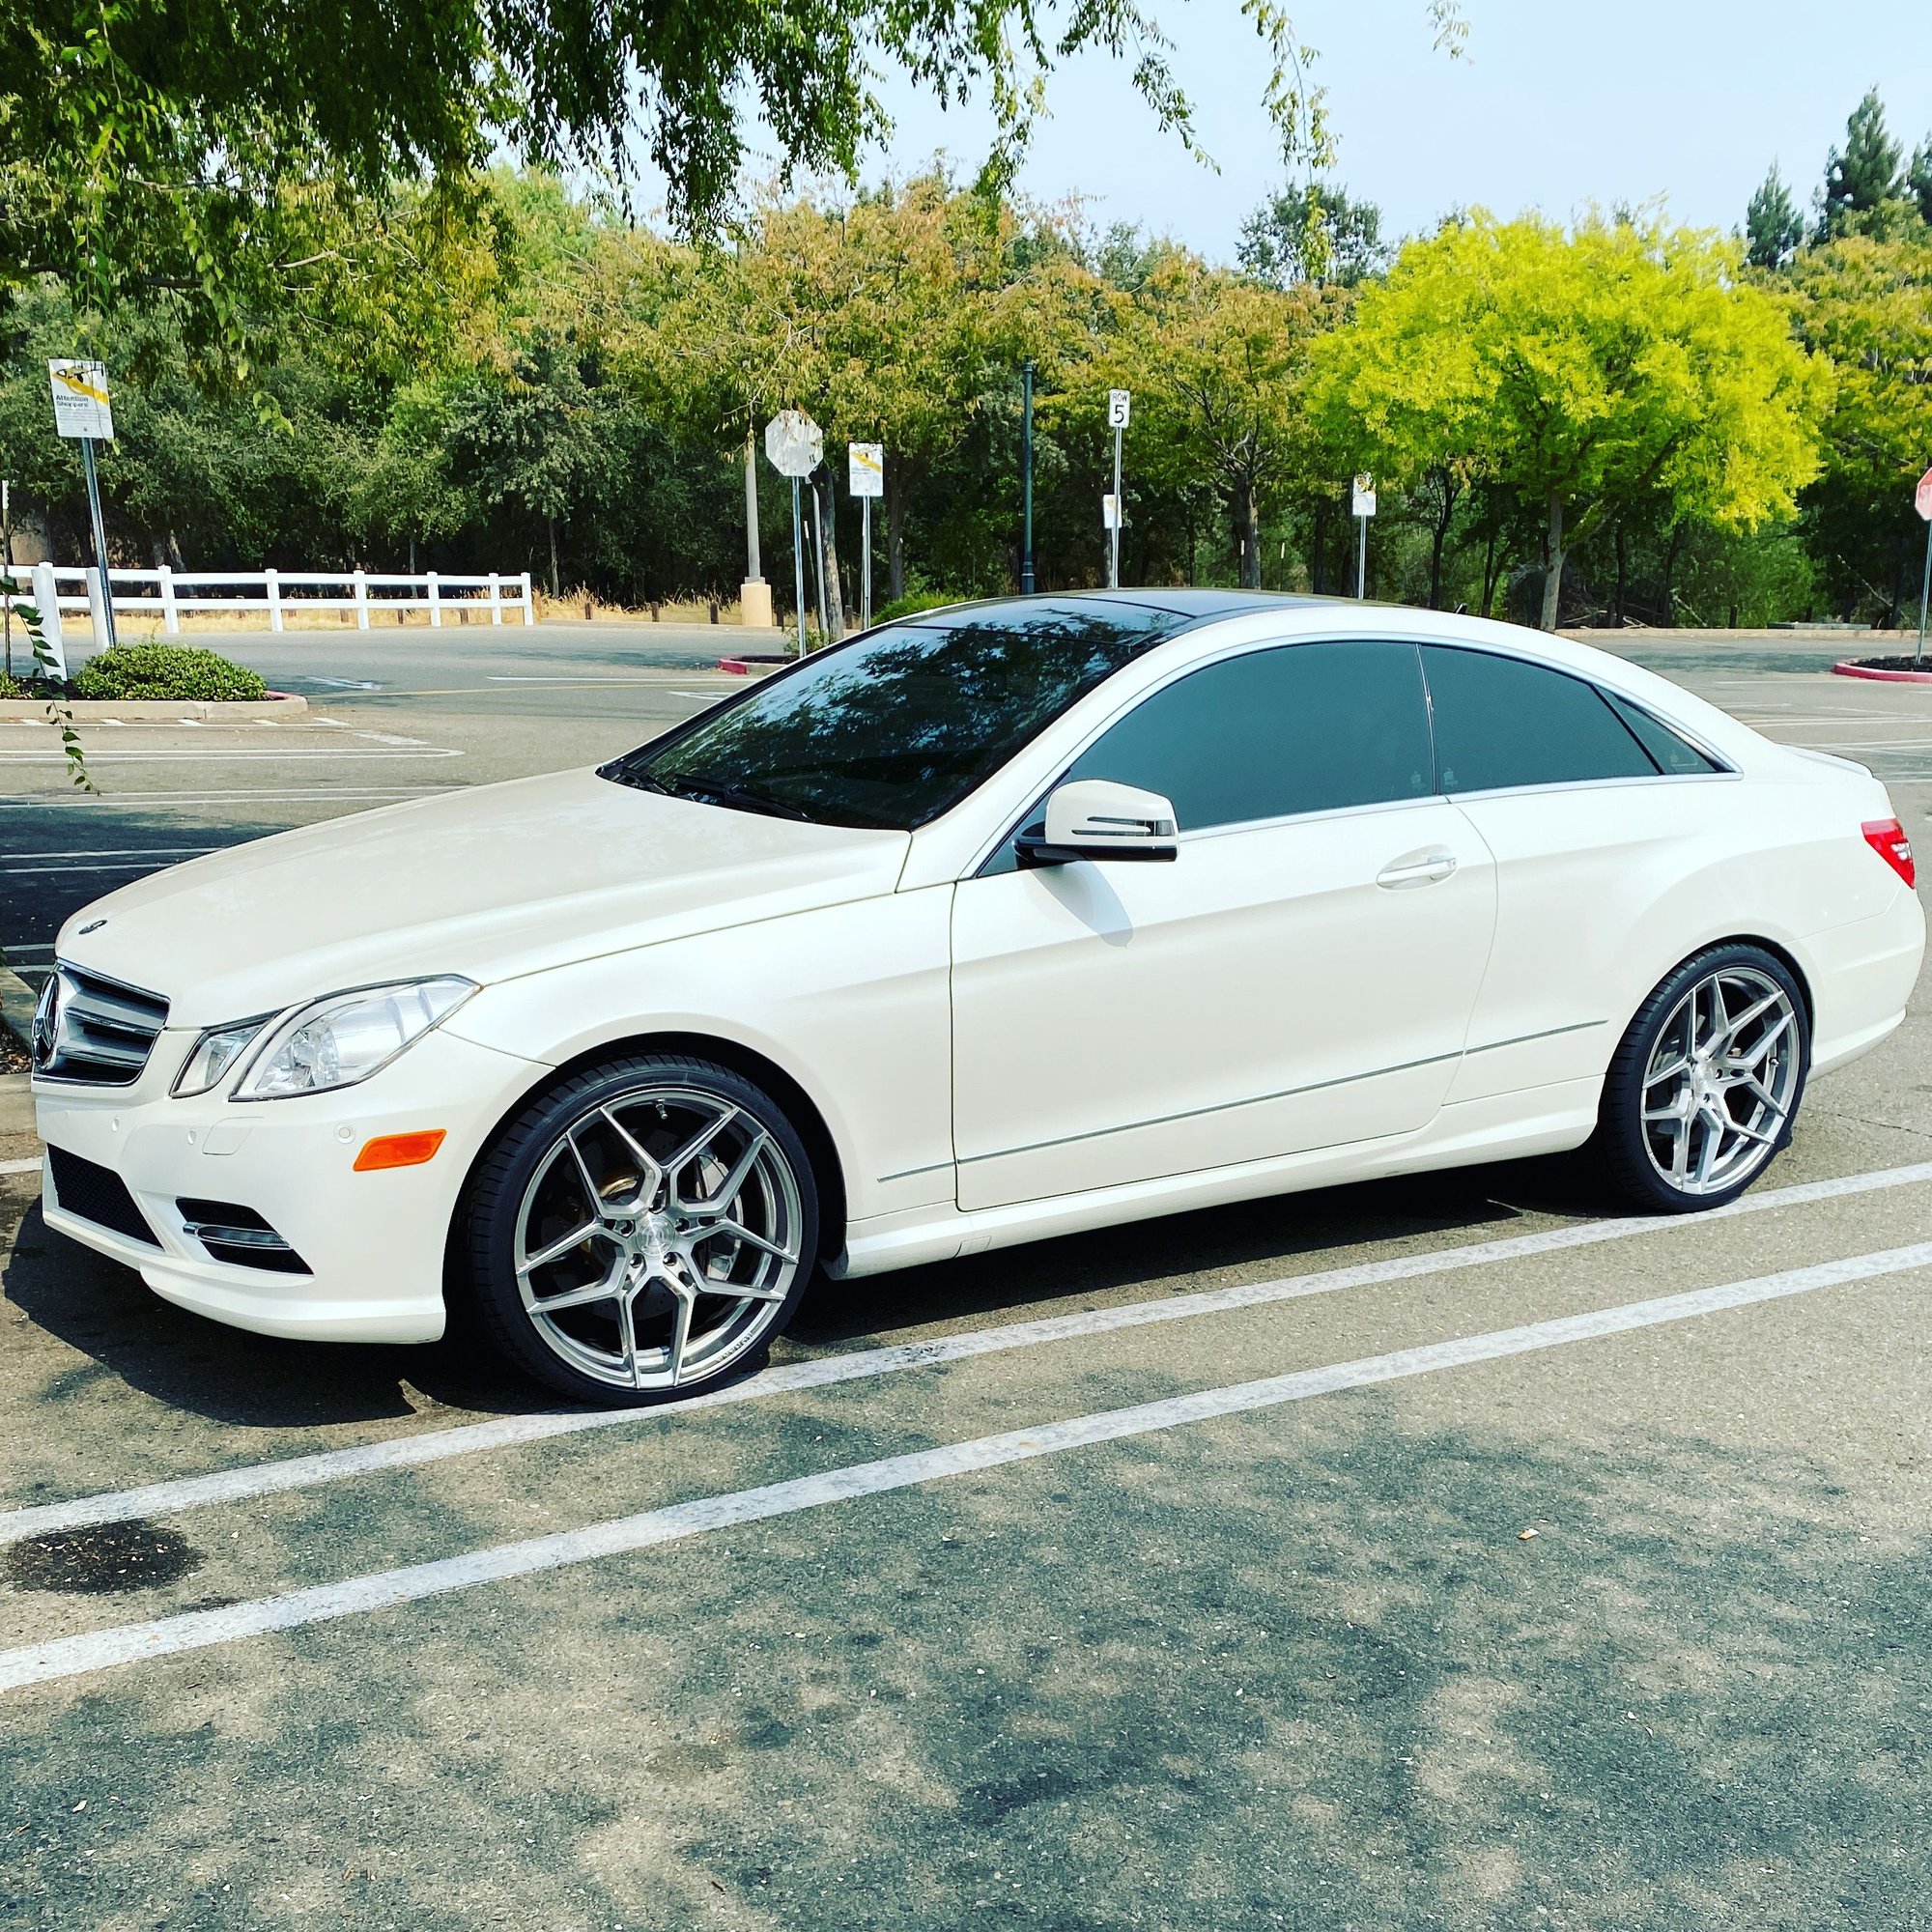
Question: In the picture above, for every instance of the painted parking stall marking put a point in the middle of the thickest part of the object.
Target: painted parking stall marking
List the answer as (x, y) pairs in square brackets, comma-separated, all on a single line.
[(198, 1630), (333, 1465)]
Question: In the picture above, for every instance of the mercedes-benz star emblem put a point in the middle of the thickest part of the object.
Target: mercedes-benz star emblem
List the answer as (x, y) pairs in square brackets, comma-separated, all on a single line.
[(46, 1021)]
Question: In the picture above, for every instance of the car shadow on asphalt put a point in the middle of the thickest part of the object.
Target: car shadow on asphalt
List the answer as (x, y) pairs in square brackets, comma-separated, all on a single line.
[(125, 1334), (1288, 1230)]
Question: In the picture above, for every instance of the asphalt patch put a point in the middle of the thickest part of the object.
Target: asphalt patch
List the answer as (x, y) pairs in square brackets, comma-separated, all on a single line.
[(110, 1559)]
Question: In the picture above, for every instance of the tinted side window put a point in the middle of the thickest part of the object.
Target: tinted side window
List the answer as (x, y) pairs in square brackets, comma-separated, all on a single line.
[(1670, 752), (1502, 722), (1306, 727)]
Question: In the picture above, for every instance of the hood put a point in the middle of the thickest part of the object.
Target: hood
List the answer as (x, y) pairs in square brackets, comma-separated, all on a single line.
[(492, 883)]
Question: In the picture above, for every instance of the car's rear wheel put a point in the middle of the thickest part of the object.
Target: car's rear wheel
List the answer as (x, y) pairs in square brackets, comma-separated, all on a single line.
[(1705, 1087), (642, 1231)]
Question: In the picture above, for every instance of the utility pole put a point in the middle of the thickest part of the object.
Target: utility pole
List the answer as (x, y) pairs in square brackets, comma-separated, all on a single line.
[(1026, 476)]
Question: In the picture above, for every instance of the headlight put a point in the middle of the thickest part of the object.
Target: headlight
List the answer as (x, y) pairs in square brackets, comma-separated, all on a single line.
[(344, 1038), (214, 1054)]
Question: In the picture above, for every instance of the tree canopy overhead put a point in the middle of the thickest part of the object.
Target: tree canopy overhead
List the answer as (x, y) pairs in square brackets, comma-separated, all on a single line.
[(227, 152)]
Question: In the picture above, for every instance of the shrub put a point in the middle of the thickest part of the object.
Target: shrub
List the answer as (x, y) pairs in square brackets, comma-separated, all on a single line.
[(164, 670), (915, 601)]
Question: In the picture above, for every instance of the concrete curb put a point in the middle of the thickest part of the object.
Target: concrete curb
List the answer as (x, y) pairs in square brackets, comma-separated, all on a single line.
[(1850, 669), (278, 704), (18, 1001)]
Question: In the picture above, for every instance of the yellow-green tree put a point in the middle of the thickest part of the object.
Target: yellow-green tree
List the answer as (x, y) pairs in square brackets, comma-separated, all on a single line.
[(1589, 371)]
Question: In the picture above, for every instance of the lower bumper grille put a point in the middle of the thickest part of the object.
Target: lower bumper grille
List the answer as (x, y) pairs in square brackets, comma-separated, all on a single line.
[(97, 1194), (240, 1236)]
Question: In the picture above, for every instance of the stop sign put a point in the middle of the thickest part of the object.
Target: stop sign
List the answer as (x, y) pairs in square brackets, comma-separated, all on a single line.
[(1922, 497)]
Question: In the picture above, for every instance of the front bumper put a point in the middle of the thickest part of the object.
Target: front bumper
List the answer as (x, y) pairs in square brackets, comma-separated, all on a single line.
[(373, 1243)]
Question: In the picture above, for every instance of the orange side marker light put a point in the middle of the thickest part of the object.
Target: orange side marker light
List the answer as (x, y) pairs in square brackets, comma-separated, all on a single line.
[(399, 1151)]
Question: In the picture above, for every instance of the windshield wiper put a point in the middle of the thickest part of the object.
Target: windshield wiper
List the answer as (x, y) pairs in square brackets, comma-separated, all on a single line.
[(709, 791)]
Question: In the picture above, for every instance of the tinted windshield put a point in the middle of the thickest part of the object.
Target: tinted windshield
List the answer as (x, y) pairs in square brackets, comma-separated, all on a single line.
[(898, 726)]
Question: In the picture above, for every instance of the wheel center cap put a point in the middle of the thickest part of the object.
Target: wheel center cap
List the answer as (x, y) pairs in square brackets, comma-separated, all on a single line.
[(653, 1239)]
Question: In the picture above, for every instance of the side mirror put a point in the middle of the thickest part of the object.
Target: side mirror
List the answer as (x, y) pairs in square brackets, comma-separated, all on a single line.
[(1095, 818)]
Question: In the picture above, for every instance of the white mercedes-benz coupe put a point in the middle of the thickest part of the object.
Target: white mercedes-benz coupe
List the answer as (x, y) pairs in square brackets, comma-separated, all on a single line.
[(1010, 920)]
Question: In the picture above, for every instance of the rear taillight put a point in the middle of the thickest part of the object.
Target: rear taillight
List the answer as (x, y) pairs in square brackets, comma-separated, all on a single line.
[(1886, 837)]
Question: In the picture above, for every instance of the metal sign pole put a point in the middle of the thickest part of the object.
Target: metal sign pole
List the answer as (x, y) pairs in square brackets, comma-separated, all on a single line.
[(1114, 535), (798, 565), (1026, 475), (865, 568), (1362, 562), (99, 537), (1924, 588), (6, 580)]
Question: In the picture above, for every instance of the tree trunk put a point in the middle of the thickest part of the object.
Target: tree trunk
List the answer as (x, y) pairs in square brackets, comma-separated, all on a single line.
[(1441, 534), (894, 533), (1552, 562), (1248, 534), (1318, 547), (1670, 571), (828, 547), (1623, 573), (550, 524)]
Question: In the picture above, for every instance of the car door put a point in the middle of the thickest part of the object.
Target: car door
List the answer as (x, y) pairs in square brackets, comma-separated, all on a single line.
[(1301, 977), (1592, 808)]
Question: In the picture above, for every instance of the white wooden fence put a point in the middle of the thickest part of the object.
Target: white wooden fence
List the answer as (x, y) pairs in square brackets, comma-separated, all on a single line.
[(275, 593)]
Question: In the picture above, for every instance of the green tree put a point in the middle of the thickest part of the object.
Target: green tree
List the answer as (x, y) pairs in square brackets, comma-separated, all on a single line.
[(1587, 372), (1863, 192), (1215, 363), (1317, 234), (1774, 227), (1918, 178), (1866, 307)]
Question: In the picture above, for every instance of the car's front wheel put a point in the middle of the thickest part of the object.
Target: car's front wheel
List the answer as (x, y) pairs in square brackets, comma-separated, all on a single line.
[(642, 1230), (1704, 1088)]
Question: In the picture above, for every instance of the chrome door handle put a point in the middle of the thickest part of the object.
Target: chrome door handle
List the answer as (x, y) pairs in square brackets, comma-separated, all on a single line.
[(1415, 869)]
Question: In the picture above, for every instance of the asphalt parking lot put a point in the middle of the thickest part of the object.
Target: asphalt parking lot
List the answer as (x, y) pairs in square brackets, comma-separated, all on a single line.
[(1437, 1553)]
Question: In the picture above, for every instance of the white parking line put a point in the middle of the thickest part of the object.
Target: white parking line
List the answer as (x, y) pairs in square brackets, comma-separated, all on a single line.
[(20, 1166), (334, 754), (197, 1630), (300, 794), (334, 1465)]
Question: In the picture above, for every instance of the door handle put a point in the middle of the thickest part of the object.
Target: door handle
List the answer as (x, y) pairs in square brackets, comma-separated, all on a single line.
[(1415, 869)]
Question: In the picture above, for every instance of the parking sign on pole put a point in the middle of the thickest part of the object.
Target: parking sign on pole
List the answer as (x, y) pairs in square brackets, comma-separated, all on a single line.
[(83, 413), (1120, 407), (865, 475)]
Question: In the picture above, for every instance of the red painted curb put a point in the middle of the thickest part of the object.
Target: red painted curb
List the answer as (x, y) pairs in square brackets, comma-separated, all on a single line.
[(737, 667), (1849, 669)]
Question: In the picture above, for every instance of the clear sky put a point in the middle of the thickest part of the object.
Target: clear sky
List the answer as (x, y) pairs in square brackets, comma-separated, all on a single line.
[(1556, 105)]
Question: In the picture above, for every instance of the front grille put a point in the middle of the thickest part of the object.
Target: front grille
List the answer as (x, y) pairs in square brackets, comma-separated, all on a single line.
[(97, 1194), (240, 1236), (93, 1029)]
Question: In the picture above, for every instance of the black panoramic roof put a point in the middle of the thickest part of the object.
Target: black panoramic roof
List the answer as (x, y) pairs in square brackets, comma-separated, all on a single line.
[(1192, 605)]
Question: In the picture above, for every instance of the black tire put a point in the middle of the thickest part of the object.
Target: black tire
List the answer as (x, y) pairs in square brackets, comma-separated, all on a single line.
[(1629, 1149), (524, 1182)]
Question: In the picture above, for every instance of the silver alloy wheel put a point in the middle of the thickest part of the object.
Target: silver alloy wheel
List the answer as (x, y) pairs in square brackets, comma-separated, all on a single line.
[(658, 1238), (1722, 1081)]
